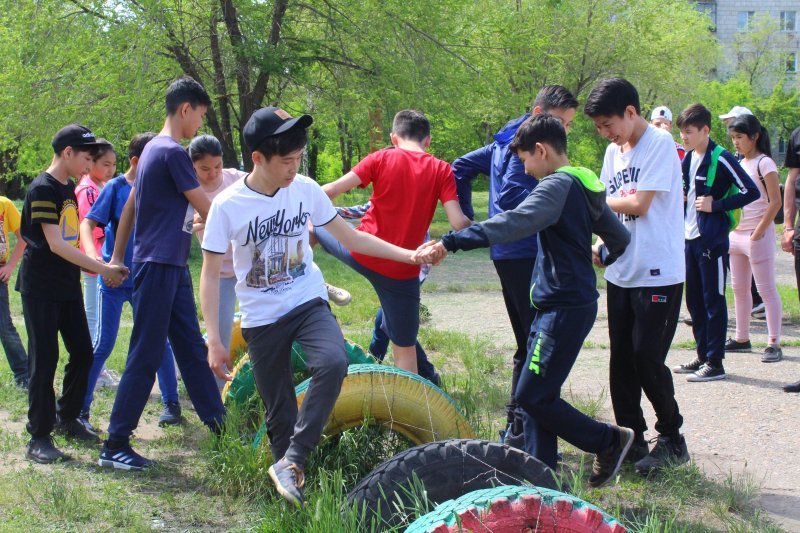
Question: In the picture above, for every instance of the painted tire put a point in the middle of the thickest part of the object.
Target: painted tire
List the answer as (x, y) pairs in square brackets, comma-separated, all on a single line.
[(401, 401), (446, 470), (516, 508), (242, 387)]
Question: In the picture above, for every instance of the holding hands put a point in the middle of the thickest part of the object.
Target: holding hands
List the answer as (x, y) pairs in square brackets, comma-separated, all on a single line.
[(114, 275), (432, 252)]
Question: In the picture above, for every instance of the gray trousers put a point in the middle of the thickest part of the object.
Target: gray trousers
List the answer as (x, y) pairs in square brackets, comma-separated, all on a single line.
[(294, 434)]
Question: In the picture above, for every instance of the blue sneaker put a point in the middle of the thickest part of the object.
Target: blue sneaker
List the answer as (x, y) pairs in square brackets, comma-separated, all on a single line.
[(123, 458), (289, 480)]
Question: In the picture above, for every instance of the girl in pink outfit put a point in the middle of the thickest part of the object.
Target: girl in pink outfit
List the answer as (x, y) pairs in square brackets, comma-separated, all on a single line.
[(206, 154), (752, 243), (103, 168)]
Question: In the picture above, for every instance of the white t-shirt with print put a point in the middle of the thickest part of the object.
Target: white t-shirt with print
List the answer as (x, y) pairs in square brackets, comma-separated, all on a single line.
[(272, 259), (655, 255)]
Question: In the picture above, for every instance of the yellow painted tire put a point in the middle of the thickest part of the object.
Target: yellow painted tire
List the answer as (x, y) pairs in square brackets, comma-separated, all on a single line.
[(399, 400)]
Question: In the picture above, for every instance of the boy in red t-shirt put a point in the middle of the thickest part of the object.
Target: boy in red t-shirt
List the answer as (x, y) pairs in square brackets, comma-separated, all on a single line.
[(407, 183)]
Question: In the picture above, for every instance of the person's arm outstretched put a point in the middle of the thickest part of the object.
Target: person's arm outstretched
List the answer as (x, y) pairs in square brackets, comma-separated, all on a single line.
[(342, 185), (114, 275), (364, 243), (124, 229), (789, 210)]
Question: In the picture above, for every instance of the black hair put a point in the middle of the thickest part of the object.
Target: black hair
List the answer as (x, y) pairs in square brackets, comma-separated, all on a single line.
[(186, 90), (284, 143), (696, 115), (555, 97), (103, 149), (80, 148), (204, 145), (749, 125), (610, 97), (411, 124), (137, 144), (542, 128)]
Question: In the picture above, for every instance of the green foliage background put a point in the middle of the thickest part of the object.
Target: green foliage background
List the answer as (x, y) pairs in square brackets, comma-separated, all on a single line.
[(471, 65)]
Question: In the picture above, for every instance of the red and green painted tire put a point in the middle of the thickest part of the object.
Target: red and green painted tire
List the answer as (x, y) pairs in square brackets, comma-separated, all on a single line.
[(516, 508)]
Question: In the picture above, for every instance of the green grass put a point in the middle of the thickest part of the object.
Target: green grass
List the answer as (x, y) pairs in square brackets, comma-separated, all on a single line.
[(206, 483)]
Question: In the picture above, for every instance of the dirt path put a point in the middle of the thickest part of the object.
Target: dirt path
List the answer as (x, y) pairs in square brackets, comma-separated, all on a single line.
[(743, 425)]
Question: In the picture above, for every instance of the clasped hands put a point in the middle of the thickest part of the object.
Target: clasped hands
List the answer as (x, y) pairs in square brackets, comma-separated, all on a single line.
[(113, 274), (432, 252)]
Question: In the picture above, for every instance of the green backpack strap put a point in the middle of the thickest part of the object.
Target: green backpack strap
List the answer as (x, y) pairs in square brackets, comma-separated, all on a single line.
[(712, 166)]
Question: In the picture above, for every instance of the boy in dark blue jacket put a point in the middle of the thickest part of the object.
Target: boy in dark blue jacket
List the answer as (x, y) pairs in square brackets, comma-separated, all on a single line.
[(707, 224), (565, 208), (508, 186)]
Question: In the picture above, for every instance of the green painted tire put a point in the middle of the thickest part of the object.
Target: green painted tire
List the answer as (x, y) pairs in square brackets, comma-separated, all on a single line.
[(243, 386)]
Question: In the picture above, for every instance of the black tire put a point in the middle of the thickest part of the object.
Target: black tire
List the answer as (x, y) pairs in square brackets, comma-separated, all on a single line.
[(446, 470)]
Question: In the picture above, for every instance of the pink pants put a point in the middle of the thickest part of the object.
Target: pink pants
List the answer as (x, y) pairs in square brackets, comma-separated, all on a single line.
[(755, 258)]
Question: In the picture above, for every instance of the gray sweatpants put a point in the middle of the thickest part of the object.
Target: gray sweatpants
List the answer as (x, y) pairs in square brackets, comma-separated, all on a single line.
[(291, 434)]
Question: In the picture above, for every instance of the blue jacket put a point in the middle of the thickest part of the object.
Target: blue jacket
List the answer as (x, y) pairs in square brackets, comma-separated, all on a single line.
[(565, 209), (508, 185), (714, 226)]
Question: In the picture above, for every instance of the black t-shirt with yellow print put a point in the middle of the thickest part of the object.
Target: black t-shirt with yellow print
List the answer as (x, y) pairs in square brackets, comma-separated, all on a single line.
[(43, 274)]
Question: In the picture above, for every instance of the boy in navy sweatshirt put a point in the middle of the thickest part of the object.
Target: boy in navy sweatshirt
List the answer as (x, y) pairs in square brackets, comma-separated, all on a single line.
[(566, 207), (706, 230)]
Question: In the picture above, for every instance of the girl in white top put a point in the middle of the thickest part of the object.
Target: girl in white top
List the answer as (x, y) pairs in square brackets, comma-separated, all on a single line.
[(206, 154), (752, 243)]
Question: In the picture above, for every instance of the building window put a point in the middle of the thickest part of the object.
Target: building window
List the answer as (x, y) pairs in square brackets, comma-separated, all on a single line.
[(791, 62), (788, 20), (782, 146), (744, 19), (710, 9)]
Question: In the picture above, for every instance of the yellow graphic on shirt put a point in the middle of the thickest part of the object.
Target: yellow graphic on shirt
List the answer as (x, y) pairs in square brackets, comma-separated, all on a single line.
[(69, 223)]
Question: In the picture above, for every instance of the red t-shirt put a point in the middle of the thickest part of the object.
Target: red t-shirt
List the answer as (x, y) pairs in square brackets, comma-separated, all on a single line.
[(405, 189)]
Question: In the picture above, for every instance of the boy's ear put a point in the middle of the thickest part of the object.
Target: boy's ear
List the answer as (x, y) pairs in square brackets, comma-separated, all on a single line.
[(537, 110), (706, 129), (426, 142), (258, 158), (394, 138), (183, 109)]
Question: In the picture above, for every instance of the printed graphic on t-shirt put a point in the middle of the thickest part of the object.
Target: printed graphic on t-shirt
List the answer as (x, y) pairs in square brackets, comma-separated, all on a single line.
[(188, 220), (627, 176), (276, 247), (68, 222), (3, 242)]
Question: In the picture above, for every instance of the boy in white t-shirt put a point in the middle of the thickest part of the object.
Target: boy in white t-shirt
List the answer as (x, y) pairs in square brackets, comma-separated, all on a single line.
[(282, 296), (642, 174)]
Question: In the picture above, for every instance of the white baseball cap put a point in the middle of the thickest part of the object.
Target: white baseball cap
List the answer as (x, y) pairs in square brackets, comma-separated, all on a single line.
[(661, 111), (736, 111)]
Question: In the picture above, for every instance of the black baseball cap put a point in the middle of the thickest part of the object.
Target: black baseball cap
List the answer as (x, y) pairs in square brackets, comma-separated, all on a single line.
[(74, 135), (270, 121)]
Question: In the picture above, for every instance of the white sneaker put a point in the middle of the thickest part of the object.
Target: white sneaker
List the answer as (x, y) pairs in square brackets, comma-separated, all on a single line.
[(338, 296), (759, 311), (107, 378)]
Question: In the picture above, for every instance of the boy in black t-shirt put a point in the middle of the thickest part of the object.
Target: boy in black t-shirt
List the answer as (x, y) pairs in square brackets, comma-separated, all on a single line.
[(50, 283)]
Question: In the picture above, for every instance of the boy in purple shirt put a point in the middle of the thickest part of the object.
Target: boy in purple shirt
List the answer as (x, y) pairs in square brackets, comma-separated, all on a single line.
[(166, 196)]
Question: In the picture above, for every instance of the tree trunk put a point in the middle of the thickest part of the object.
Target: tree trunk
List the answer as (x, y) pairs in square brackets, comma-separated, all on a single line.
[(313, 155), (229, 157), (376, 132), (345, 147)]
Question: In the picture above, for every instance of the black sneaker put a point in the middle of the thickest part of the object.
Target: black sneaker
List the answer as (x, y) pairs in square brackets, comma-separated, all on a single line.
[(83, 418), (123, 458), (772, 354), (688, 368), (639, 449), (707, 372), (41, 450), (732, 345), (607, 463), (289, 480), (792, 387), (171, 415), (667, 452), (74, 429)]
